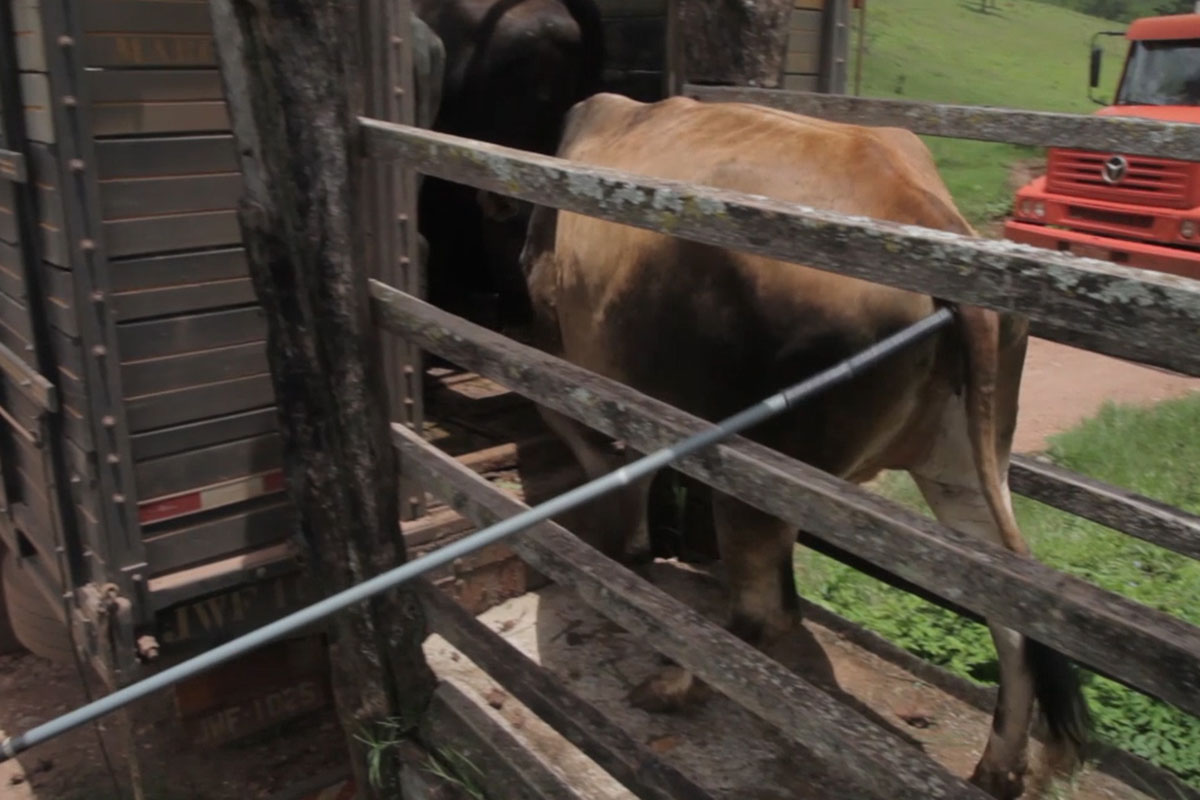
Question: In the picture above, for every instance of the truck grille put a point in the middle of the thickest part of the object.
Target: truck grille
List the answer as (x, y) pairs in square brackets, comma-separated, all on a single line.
[(1150, 181)]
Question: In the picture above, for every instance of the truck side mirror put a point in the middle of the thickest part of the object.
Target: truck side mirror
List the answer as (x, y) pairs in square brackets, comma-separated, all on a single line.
[(1094, 72)]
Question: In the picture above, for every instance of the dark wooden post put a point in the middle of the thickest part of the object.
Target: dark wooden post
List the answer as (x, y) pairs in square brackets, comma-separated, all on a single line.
[(293, 78), (734, 42)]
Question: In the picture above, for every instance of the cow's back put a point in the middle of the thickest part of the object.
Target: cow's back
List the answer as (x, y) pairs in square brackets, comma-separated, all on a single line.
[(712, 330)]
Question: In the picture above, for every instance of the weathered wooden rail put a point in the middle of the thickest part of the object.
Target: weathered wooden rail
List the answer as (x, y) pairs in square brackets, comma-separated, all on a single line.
[(1094, 304), (983, 123)]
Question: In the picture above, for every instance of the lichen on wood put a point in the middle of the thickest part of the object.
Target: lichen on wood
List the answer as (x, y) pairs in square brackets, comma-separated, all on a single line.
[(292, 83)]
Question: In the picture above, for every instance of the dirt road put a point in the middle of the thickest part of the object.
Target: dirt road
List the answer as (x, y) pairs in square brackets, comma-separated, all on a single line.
[(1063, 386)]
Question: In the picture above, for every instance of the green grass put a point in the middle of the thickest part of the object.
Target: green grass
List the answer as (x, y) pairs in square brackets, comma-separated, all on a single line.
[(1022, 54), (1153, 451)]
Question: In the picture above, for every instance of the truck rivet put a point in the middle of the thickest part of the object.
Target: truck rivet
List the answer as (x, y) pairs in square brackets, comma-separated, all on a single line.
[(66, 41), (97, 296), (99, 351), (113, 458), (87, 245), (76, 165), (109, 421), (119, 499), (69, 100)]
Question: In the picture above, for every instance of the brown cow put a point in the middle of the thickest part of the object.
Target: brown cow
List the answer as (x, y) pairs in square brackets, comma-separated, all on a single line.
[(712, 331)]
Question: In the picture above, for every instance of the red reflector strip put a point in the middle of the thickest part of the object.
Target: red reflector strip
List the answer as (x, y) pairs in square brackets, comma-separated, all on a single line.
[(160, 509)]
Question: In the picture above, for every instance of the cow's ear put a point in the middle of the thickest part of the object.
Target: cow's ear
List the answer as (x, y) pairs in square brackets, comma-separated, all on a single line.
[(497, 207)]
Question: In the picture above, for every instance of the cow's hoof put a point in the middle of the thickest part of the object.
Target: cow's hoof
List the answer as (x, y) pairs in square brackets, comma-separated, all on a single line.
[(672, 689), (1001, 784)]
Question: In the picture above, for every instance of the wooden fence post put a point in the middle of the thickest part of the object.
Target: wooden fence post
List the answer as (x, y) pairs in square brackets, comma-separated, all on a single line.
[(293, 78), (732, 42)]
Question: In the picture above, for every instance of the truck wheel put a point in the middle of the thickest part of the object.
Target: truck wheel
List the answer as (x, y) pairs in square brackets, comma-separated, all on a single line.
[(34, 624)]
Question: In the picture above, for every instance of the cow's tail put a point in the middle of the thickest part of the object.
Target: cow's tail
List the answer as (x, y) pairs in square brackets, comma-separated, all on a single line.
[(591, 29), (994, 343)]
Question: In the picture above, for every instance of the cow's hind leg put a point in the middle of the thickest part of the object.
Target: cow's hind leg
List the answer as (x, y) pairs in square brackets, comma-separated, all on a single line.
[(756, 549), (625, 533), (1002, 767), (1027, 669)]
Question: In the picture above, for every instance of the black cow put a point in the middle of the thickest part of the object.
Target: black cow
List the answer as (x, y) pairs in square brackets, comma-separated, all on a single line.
[(513, 70)]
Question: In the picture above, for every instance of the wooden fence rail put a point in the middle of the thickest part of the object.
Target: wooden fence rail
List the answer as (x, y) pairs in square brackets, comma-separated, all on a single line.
[(1127, 135), (1155, 652), (845, 742), (1119, 509), (581, 723), (1094, 304)]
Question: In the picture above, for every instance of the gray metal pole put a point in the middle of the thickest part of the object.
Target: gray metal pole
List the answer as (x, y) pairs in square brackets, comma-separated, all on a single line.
[(772, 406)]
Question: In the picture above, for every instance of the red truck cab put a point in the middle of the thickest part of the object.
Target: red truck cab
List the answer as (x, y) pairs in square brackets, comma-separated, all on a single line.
[(1134, 210)]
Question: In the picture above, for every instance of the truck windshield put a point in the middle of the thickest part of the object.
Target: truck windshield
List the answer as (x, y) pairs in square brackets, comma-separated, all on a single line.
[(1162, 73)]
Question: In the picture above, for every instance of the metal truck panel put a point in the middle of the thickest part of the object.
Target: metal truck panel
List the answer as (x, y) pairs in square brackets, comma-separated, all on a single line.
[(265, 522), (15, 315), (182, 438), (121, 198), (117, 119), (155, 86), (8, 223), (209, 465), (160, 234), (198, 402), (178, 269), (142, 157), (39, 124), (205, 296), (152, 376), (12, 282), (159, 338)]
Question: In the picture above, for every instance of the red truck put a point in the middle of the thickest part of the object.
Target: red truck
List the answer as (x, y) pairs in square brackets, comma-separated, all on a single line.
[(1134, 210)]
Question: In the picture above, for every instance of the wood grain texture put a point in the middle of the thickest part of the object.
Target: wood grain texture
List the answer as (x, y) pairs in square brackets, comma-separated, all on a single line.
[(1128, 135)]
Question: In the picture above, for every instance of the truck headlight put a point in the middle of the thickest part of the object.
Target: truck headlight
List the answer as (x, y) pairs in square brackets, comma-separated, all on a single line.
[(1039, 210), (1026, 208), (1187, 228)]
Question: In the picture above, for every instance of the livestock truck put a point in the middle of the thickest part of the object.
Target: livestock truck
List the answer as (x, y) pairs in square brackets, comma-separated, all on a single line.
[(1135, 210)]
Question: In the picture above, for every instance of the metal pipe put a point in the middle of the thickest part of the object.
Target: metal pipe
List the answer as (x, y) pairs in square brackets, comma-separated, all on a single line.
[(772, 406)]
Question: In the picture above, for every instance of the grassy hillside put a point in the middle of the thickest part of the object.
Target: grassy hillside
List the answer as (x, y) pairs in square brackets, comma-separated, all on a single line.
[(1021, 54)]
